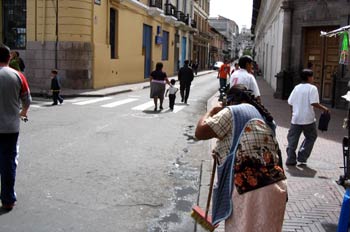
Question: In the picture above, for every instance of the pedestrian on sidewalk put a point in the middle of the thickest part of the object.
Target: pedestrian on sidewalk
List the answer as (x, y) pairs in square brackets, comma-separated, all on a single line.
[(303, 99), (243, 76), (158, 80), (185, 76), (195, 67), (251, 191), (236, 67), (14, 61), (15, 100), (172, 90), (224, 73), (20, 62), (55, 88)]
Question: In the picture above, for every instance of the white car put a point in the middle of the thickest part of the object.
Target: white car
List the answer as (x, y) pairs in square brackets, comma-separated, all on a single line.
[(217, 65)]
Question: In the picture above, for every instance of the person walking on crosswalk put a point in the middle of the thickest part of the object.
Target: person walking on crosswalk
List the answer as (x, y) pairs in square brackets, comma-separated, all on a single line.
[(158, 80), (55, 88), (185, 76), (172, 94)]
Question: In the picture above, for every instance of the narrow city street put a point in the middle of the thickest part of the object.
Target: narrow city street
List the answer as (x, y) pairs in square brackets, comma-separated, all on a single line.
[(110, 164)]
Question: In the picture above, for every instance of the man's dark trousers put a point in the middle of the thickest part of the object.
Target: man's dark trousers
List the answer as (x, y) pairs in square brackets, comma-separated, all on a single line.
[(56, 97), (185, 90), (172, 98), (8, 165)]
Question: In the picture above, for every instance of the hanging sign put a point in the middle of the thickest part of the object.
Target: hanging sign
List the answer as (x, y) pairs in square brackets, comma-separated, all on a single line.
[(98, 2)]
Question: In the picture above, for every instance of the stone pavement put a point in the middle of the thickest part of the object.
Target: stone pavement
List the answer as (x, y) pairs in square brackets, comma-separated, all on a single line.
[(67, 93), (314, 197)]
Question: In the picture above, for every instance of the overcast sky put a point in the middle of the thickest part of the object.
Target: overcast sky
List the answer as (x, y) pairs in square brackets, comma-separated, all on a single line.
[(239, 11)]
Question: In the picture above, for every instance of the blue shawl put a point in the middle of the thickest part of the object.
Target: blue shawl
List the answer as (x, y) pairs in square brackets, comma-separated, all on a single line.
[(222, 194)]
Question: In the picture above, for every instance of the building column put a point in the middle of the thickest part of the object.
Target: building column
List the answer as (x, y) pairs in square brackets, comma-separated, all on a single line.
[(283, 79)]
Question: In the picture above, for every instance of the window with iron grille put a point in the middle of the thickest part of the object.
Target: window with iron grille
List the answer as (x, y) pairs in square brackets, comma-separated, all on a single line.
[(14, 23)]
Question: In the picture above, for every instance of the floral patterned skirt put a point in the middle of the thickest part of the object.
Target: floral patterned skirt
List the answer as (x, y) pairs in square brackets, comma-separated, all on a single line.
[(260, 210)]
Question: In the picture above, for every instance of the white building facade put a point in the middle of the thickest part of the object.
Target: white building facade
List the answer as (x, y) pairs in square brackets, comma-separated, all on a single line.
[(269, 40)]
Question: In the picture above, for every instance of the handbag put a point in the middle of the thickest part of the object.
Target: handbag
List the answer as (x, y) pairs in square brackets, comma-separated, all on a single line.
[(325, 117)]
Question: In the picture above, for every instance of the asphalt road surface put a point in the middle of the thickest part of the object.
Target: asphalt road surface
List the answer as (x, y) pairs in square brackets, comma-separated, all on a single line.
[(110, 164)]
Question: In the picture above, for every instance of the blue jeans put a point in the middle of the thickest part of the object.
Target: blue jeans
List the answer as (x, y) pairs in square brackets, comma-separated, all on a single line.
[(310, 133), (8, 165)]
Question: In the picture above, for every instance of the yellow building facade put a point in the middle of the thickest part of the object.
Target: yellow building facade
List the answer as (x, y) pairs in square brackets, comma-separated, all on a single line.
[(103, 43)]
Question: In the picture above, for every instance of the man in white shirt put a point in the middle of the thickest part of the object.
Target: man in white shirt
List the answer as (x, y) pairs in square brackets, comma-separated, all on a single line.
[(244, 77), (302, 100)]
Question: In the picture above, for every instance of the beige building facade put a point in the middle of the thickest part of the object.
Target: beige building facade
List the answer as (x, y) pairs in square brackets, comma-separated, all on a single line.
[(201, 37), (100, 43)]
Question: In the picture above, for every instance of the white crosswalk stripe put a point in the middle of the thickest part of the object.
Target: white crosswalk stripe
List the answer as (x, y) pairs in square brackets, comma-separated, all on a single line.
[(178, 108), (110, 102), (92, 101), (35, 106), (118, 103), (144, 106)]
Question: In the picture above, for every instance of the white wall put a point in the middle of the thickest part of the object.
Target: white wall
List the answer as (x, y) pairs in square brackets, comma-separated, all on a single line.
[(268, 40)]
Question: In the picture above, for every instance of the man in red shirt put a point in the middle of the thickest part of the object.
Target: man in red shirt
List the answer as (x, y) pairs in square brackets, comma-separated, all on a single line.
[(223, 73)]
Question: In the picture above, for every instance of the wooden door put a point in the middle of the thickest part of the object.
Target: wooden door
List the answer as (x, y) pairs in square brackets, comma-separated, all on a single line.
[(323, 54)]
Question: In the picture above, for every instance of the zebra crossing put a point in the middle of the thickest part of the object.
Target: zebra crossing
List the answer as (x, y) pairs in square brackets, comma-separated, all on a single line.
[(135, 103)]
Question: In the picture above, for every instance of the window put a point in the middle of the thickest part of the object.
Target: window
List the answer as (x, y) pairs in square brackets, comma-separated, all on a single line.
[(165, 46), (14, 23), (113, 33)]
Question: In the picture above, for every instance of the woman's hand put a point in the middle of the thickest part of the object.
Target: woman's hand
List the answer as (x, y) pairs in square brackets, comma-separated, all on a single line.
[(216, 109), (203, 131)]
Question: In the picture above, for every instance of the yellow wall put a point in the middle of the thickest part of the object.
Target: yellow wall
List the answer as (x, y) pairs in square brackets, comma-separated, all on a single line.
[(86, 22), (129, 66), (74, 20)]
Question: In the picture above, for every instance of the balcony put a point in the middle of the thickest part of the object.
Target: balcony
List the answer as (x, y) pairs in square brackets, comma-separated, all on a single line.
[(170, 9), (187, 19), (180, 16), (193, 23), (156, 3), (155, 7)]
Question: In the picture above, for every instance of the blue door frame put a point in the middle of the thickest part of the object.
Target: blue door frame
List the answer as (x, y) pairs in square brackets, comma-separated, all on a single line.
[(147, 49)]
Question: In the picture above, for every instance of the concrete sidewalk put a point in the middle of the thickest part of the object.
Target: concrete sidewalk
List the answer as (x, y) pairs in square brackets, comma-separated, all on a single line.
[(314, 197), (69, 93)]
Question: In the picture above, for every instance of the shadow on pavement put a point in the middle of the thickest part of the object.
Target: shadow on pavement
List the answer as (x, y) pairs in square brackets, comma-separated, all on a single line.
[(329, 227), (301, 170), (4, 211)]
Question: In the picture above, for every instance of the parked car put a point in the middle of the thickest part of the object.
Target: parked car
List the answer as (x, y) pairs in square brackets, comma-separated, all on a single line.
[(217, 65)]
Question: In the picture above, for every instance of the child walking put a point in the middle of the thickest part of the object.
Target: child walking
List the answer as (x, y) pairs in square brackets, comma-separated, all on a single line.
[(55, 88), (172, 94)]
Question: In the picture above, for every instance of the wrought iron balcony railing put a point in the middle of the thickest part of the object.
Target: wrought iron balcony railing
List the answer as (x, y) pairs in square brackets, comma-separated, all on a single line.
[(156, 3), (193, 23), (170, 9), (187, 19), (180, 16)]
